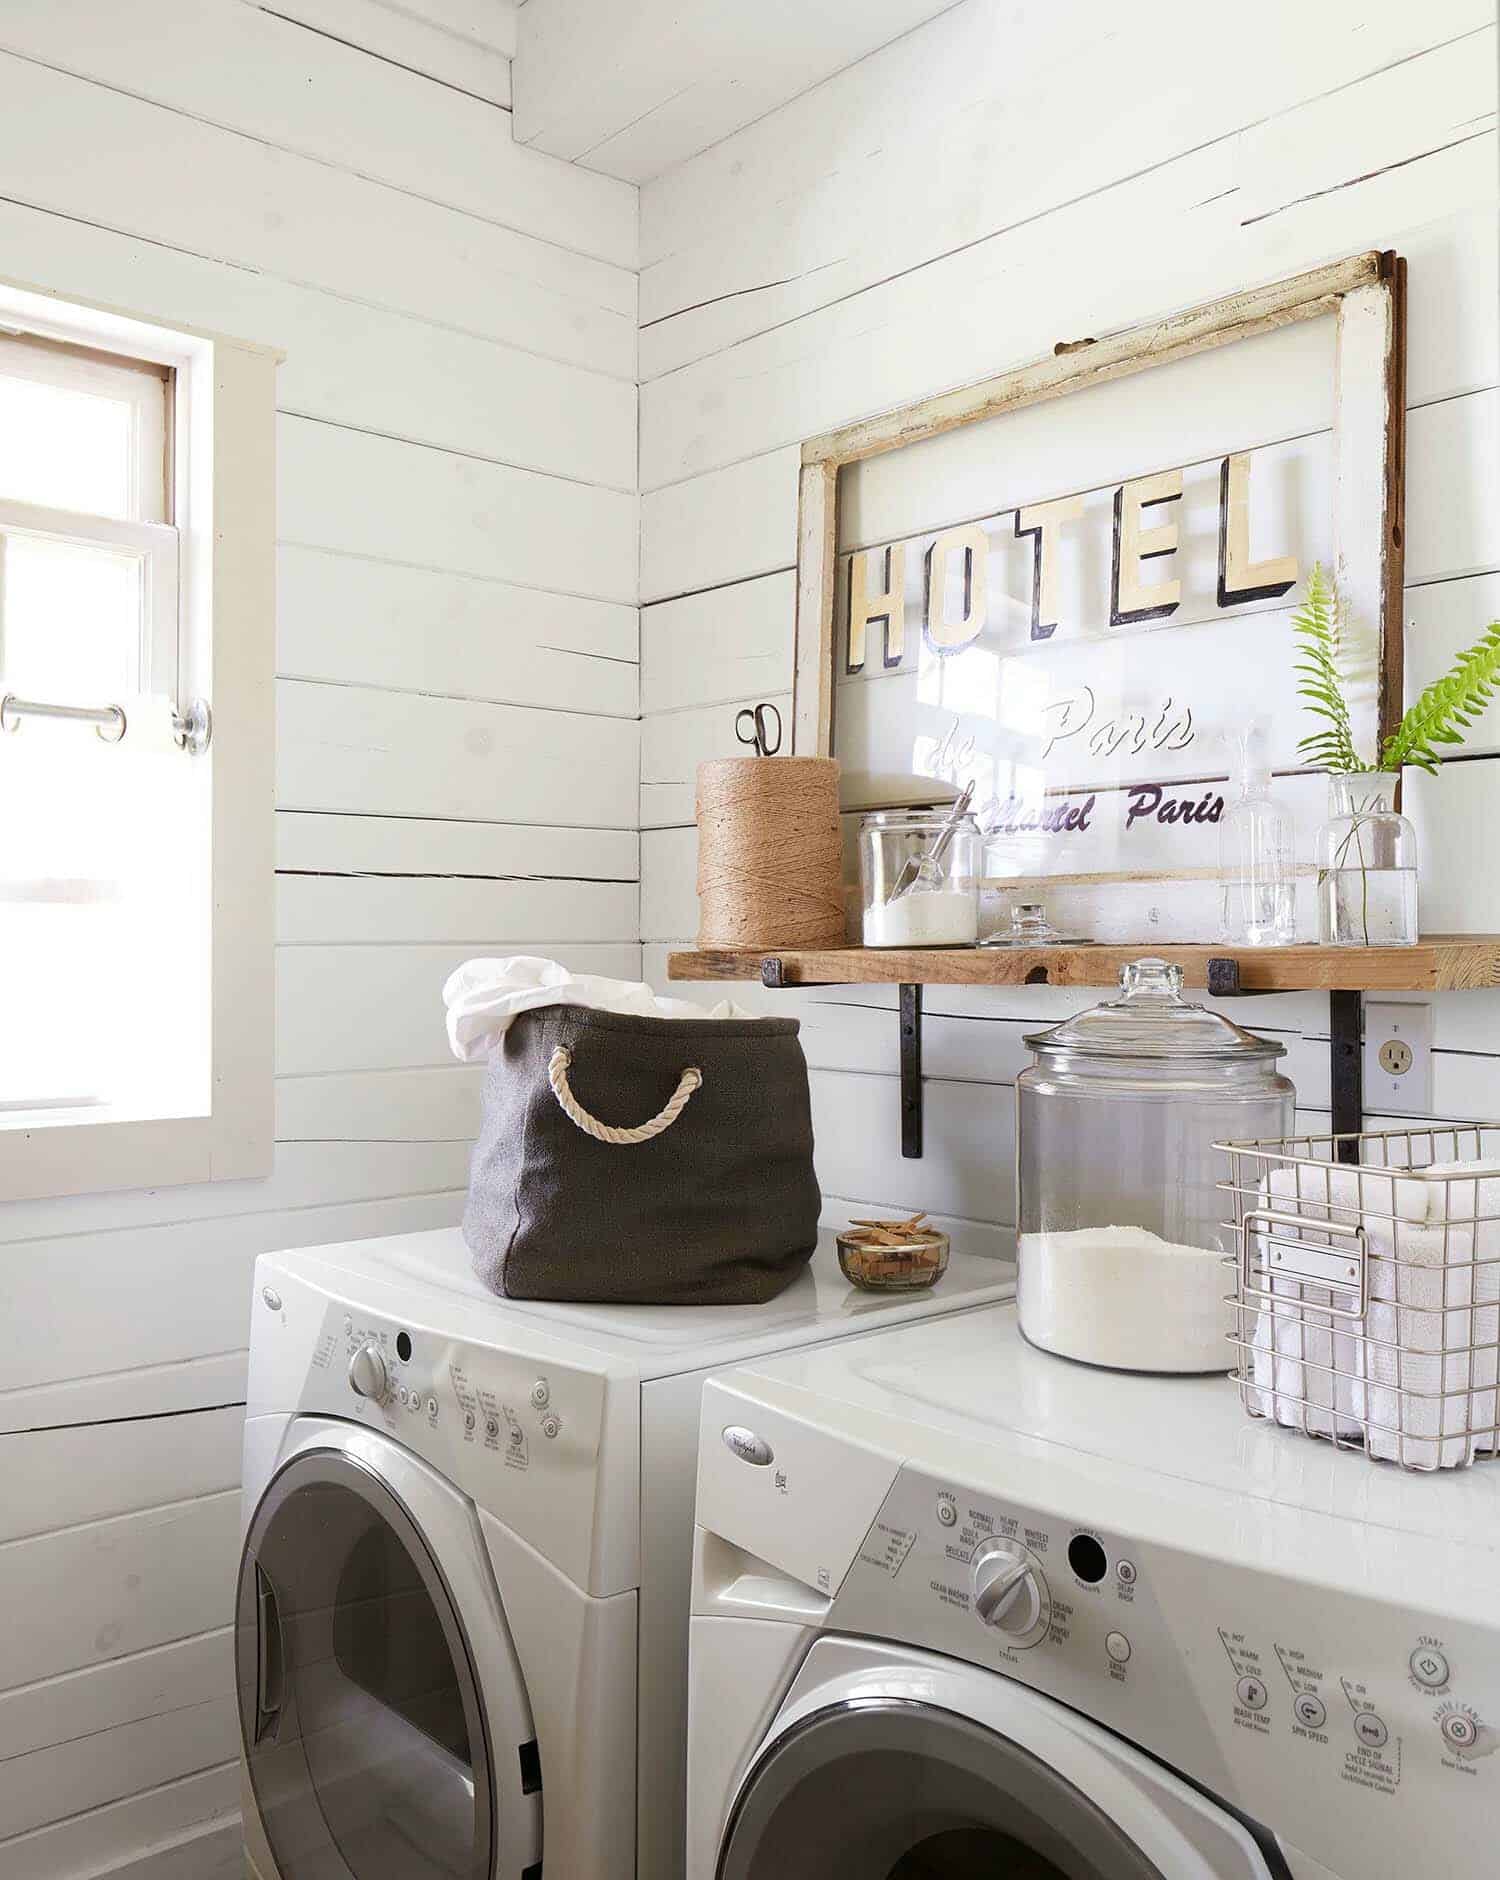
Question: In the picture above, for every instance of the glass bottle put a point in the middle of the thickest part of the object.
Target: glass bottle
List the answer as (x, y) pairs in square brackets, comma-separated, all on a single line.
[(1257, 856), (1367, 865)]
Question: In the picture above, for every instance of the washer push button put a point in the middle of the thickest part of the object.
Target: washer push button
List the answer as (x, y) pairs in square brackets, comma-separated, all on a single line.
[(1460, 1730), (1251, 1693), (1310, 1710), (1429, 1667), (1371, 1730)]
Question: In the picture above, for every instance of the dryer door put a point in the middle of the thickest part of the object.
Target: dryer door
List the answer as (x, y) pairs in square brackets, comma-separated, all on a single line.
[(930, 1771), (371, 1734)]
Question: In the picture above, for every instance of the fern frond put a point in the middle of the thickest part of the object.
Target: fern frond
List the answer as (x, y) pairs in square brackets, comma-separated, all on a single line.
[(1318, 626), (1448, 707)]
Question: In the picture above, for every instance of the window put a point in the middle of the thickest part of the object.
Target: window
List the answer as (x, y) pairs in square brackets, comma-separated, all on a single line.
[(136, 473)]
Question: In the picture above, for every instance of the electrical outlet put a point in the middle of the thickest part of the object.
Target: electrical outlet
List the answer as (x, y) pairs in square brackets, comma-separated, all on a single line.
[(1398, 1058)]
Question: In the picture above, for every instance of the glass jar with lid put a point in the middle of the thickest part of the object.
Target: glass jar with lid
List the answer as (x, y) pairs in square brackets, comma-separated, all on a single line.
[(1119, 1256), (919, 878)]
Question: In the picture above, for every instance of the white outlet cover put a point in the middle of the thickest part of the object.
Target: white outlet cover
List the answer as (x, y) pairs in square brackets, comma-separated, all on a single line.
[(1410, 1094)]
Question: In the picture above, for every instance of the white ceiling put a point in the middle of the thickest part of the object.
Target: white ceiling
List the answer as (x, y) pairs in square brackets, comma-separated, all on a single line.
[(632, 87)]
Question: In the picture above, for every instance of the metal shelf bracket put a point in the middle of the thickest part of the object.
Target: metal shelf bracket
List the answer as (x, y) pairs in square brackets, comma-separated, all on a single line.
[(911, 1072), (1345, 1050)]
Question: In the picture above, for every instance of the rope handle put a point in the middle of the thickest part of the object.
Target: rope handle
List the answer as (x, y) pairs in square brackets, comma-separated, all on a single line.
[(557, 1076)]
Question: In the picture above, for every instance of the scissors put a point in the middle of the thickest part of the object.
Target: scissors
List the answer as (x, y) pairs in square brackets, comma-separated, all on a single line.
[(751, 727)]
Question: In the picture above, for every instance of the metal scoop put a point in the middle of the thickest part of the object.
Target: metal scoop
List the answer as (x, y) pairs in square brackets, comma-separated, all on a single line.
[(921, 871)]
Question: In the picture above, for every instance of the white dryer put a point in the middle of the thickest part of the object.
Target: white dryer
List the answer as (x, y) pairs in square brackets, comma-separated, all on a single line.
[(461, 1634), (963, 1609)]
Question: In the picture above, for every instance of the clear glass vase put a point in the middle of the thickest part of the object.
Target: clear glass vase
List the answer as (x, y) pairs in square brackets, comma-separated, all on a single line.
[(1367, 865)]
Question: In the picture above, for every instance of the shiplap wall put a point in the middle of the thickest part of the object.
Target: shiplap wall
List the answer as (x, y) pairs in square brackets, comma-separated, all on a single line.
[(997, 181), (457, 773)]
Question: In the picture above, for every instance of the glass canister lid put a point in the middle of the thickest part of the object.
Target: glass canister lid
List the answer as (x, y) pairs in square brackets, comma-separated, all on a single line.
[(1152, 1019), (919, 819)]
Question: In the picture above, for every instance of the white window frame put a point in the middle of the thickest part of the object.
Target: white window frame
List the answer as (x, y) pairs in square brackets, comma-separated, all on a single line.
[(223, 472), (158, 660)]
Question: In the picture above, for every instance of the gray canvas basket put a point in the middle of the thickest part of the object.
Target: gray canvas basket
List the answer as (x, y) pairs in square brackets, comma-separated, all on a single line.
[(709, 1198)]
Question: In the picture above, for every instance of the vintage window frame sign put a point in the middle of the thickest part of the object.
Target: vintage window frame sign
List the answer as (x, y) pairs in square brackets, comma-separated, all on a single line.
[(1364, 294)]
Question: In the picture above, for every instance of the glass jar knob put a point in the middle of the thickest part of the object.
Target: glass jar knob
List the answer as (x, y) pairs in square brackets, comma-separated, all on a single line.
[(1150, 979)]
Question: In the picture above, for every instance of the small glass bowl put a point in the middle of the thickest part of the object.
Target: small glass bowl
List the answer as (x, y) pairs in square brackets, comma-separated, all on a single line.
[(917, 1260)]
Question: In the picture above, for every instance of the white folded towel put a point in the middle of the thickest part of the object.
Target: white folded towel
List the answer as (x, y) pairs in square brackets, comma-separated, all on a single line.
[(1417, 1357), (1472, 1303), (1306, 1359)]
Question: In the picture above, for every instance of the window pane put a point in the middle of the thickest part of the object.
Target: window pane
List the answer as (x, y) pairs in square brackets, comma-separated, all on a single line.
[(71, 628), (66, 449), (104, 923)]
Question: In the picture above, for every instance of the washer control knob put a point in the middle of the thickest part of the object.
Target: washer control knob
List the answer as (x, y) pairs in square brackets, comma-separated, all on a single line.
[(1008, 1588), (367, 1372)]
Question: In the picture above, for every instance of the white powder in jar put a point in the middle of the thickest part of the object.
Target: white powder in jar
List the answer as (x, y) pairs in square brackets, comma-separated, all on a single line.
[(924, 917), (1124, 1297)]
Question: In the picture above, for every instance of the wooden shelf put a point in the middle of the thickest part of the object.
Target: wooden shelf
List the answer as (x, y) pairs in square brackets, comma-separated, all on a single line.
[(1438, 963)]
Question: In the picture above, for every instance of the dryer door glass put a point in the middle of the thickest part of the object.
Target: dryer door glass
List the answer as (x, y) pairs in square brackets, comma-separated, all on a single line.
[(887, 1789), (358, 1703)]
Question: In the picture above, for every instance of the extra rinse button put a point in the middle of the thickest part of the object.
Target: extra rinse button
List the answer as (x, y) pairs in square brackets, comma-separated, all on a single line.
[(1118, 1647)]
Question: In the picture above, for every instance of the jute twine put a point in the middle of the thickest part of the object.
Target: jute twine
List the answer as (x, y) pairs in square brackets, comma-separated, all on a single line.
[(770, 854)]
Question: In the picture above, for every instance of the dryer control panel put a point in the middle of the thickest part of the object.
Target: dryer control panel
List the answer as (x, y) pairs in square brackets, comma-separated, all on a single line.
[(1339, 1721), (521, 1434)]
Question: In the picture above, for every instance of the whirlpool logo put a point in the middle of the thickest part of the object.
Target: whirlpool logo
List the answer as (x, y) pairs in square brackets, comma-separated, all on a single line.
[(747, 1445)]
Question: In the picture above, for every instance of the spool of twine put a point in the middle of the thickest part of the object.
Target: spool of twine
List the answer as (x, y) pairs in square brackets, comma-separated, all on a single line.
[(770, 853)]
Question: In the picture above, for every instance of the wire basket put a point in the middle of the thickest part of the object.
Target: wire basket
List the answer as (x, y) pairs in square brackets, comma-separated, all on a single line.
[(1367, 1289)]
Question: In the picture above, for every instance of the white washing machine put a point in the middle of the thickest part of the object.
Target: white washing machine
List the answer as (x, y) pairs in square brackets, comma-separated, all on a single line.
[(963, 1609), (462, 1599)]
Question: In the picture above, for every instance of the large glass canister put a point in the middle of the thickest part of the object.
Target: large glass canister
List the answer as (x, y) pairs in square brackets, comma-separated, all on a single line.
[(1119, 1255)]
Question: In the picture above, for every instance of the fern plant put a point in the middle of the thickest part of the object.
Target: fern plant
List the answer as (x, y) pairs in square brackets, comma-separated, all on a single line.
[(1319, 628), (1448, 707), (1445, 711)]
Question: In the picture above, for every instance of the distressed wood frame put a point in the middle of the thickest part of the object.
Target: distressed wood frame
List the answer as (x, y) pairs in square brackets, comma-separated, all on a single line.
[(1366, 293)]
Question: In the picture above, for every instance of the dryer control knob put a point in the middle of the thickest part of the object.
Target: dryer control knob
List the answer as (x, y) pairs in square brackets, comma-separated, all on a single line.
[(1008, 1588), (367, 1373)]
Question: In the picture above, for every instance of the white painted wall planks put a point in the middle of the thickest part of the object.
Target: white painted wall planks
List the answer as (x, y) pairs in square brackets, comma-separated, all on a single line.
[(458, 685), (775, 305), (463, 476)]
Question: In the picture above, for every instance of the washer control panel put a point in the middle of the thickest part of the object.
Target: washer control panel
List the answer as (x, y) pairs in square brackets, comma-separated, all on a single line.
[(521, 1437), (441, 1397), (1323, 1715)]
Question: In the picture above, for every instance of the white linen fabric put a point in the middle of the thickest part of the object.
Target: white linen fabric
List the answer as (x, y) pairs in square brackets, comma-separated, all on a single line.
[(483, 996)]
